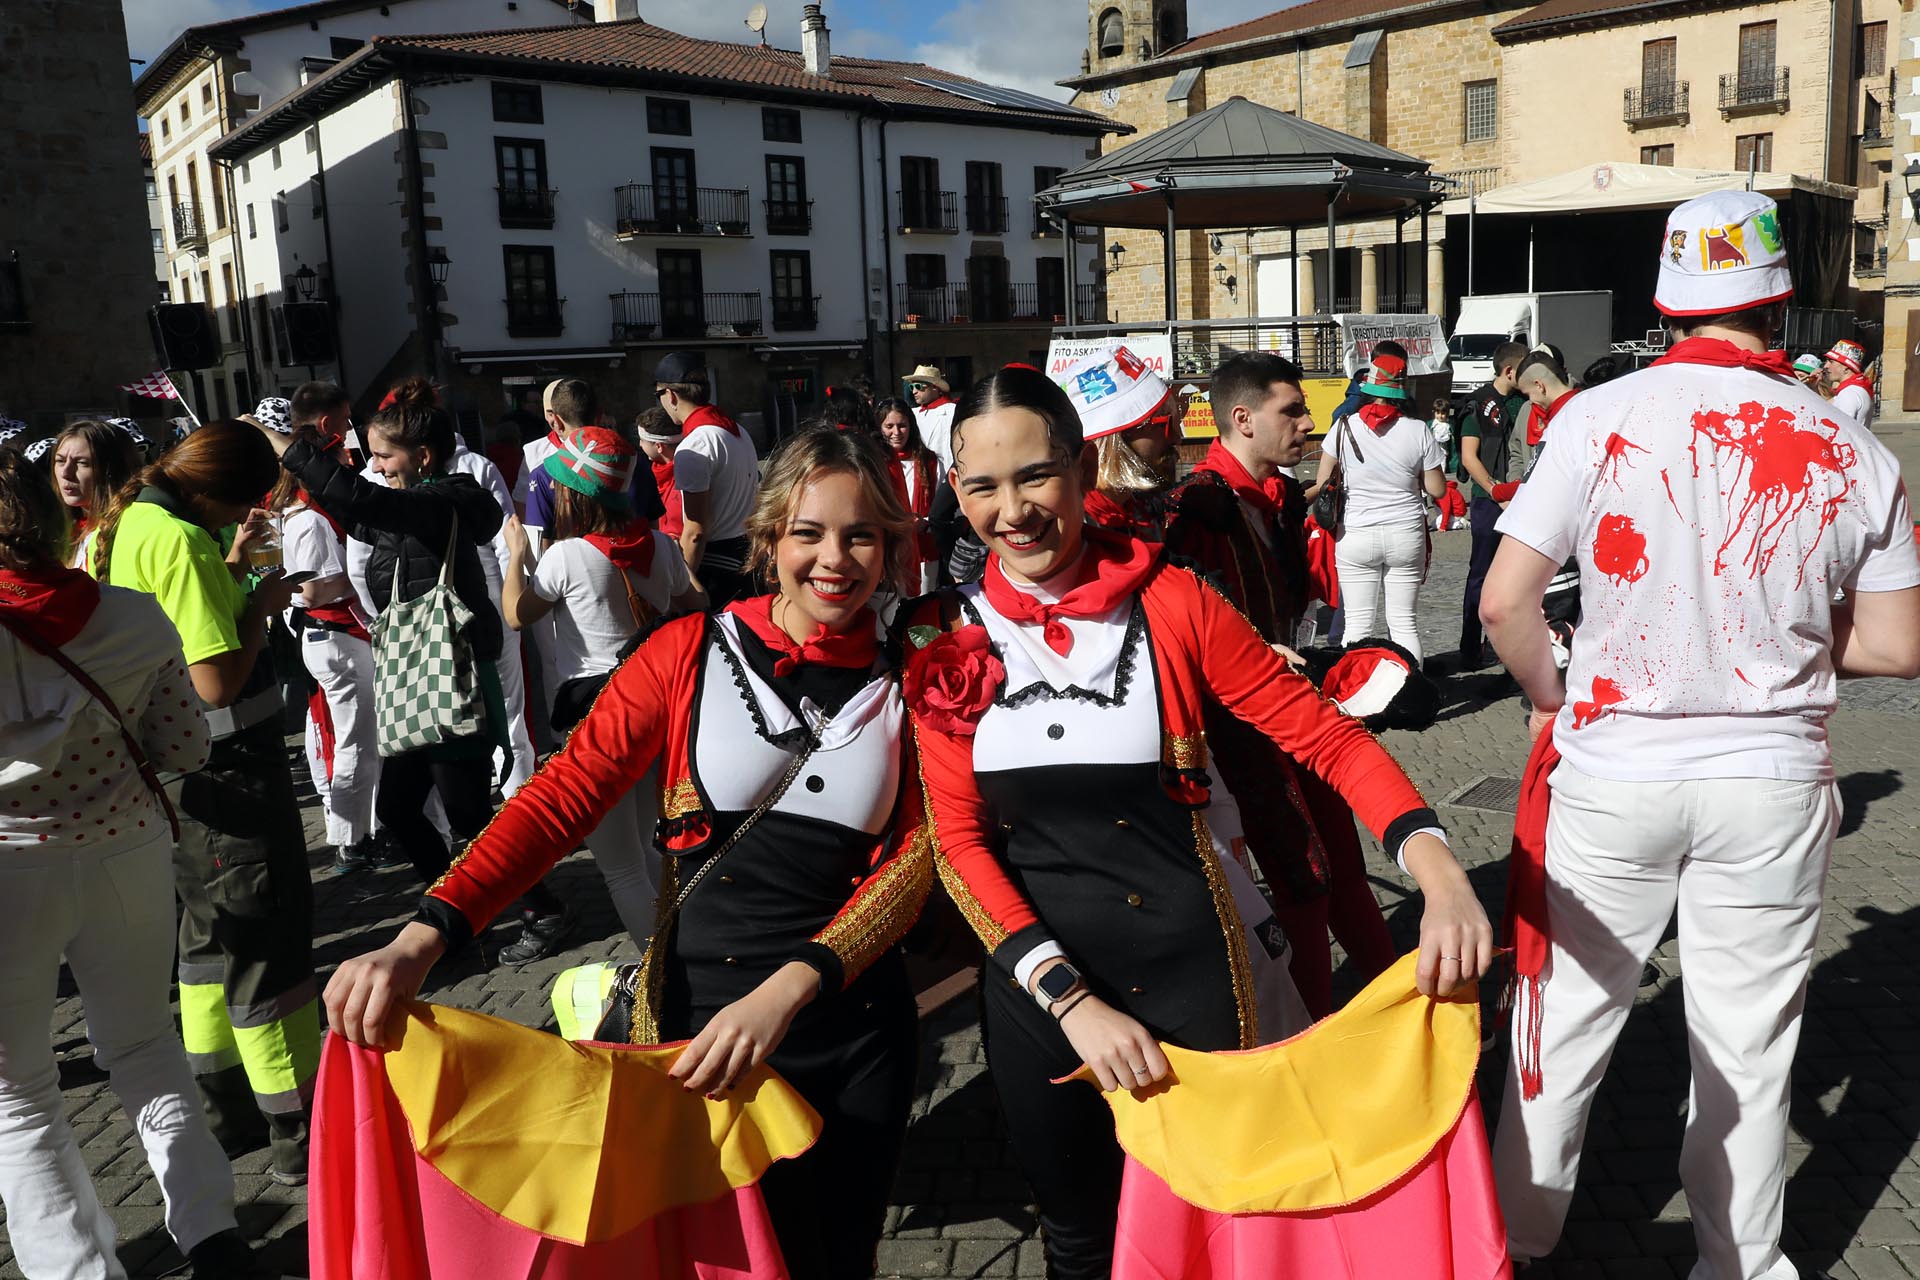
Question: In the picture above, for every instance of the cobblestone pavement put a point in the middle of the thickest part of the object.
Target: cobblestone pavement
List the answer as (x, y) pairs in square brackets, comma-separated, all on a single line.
[(961, 1210)]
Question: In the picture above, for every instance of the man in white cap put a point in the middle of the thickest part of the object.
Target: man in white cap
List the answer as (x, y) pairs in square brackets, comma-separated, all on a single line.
[(1846, 368), (1715, 506)]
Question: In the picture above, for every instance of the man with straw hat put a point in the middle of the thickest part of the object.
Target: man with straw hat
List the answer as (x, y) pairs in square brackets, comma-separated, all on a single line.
[(1715, 507)]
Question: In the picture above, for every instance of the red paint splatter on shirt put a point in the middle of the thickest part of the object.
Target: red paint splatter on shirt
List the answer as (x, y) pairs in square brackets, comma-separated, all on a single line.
[(1616, 457), (1743, 678), (1606, 694), (1790, 472), (1667, 481), (1620, 550)]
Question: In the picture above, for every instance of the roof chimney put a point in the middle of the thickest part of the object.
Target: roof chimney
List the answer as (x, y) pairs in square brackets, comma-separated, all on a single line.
[(615, 10), (814, 47)]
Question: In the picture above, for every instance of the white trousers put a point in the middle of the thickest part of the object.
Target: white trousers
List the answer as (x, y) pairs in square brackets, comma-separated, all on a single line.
[(342, 665), (113, 918), (622, 846), (1377, 560), (513, 692), (1745, 862)]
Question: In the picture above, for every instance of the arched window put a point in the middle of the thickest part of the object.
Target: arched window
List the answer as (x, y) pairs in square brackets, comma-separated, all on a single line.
[(1173, 28), (1113, 34)]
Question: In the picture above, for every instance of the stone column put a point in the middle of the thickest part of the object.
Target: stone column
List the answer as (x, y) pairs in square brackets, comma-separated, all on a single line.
[(1370, 280), (1437, 279), (1303, 267)]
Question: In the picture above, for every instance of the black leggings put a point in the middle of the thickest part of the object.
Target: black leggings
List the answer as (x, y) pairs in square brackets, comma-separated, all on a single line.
[(465, 788)]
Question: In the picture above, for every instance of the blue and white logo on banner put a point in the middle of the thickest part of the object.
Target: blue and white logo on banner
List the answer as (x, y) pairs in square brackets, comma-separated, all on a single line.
[(1096, 384)]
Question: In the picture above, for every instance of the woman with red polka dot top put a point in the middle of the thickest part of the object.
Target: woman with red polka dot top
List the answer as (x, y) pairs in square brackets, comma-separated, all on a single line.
[(86, 872)]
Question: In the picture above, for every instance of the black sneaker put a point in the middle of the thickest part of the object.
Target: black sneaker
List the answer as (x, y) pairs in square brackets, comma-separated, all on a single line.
[(350, 858), (225, 1256), (385, 852), (540, 937)]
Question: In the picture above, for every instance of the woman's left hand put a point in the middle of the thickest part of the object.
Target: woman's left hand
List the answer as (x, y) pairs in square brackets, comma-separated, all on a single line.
[(742, 1035), (518, 545), (1456, 941)]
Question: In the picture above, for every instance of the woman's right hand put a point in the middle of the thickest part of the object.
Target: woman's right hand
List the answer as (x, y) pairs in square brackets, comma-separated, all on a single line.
[(362, 992), (518, 546), (1121, 1053)]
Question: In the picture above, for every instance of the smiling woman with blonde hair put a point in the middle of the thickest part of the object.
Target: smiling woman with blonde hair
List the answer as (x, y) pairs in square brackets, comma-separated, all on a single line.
[(796, 858)]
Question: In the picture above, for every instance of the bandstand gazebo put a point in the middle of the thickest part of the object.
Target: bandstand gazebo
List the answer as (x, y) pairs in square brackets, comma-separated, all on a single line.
[(1241, 165)]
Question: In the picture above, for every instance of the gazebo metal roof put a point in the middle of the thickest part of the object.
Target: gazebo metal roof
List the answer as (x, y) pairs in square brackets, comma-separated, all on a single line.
[(1242, 165)]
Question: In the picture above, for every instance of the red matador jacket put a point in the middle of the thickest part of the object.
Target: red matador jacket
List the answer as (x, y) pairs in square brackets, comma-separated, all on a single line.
[(1291, 816), (643, 716), (1203, 652)]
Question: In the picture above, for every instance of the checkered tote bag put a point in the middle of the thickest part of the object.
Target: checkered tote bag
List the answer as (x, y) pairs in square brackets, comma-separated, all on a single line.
[(425, 687)]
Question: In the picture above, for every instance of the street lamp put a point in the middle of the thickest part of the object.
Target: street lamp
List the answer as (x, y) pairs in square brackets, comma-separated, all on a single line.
[(306, 282), (438, 264), (1907, 175), (1231, 283), (1114, 251)]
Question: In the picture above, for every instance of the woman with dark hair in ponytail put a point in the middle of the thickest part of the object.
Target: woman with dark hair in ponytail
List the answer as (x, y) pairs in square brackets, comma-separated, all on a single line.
[(425, 512), (1057, 707), (247, 994)]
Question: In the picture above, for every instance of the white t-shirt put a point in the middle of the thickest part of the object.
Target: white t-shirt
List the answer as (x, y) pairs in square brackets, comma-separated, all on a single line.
[(1714, 512), (308, 544), (936, 432), (1382, 474), (1856, 401), (715, 461), (592, 617)]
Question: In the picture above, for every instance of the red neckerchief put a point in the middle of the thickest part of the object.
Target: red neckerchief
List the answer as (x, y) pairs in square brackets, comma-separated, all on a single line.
[(853, 649), (1104, 510), (628, 548), (1857, 380), (1538, 418), (305, 499), (1527, 923), (1264, 495), (936, 402), (52, 603), (1723, 354), (1111, 568), (708, 416), (1378, 416), (920, 501)]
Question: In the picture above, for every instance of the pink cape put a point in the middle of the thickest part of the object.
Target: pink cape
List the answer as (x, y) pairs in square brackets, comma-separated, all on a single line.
[(378, 1211), (1439, 1222)]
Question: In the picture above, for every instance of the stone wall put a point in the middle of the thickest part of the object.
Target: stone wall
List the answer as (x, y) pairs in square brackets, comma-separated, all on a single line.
[(72, 212)]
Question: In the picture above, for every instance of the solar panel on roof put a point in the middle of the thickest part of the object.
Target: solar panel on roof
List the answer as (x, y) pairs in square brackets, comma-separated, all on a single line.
[(992, 94)]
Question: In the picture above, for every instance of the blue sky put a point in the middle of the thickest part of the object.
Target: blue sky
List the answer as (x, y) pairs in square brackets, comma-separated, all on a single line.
[(1023, 43)]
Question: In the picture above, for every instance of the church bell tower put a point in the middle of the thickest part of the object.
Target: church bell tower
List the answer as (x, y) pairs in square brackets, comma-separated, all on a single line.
[(1125, 33)]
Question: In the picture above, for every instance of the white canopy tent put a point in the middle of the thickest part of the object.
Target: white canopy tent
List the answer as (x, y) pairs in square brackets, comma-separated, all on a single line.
[(1619, 185)]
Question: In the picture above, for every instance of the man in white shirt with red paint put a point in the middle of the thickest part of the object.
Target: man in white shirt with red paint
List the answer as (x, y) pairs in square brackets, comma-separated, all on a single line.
[(1715, 506), (1846, 369)]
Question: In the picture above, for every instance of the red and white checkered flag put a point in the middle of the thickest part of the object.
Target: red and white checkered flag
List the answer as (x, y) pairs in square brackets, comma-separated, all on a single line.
[(155, 386)]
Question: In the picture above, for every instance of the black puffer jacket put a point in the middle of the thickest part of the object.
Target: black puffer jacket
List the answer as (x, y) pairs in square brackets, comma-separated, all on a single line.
[(408, 529)]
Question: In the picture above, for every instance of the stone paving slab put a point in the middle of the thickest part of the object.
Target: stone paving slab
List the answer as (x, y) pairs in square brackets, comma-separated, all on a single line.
[(961, 1209)]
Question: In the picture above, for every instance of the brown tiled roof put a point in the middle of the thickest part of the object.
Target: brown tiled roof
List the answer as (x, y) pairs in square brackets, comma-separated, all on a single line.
[(1299, 17), (639, 46), (1565, 14)]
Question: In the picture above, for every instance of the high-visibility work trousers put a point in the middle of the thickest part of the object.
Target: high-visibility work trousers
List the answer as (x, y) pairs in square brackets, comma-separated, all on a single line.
[(249, 1008)]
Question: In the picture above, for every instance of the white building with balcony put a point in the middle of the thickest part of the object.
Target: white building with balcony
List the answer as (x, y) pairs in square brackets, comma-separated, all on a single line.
[(213, 77), (501, 208)]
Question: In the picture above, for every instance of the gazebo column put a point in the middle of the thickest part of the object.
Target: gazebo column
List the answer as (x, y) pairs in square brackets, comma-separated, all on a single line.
[(1437, 278), (1370, 280), (1303, 273)]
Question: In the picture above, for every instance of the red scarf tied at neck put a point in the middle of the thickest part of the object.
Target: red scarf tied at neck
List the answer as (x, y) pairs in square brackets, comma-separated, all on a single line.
[(1378, 416), (1111, 568), (629, 548), (1264, 495), (52, 602), (1723, 354), (852, 649)]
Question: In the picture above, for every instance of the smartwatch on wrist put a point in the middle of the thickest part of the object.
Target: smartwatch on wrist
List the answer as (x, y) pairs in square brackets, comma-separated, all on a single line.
[(1056, 984)]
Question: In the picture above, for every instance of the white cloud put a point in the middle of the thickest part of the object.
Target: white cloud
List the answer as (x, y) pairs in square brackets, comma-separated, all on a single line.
[(151, 24), (1030, 44)]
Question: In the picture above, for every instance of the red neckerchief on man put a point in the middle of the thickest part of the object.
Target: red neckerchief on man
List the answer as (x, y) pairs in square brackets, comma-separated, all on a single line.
[(629, 547), (942, 399), (1264, 495), (708, 416), (1111, 568), (1725, 355), (1860, 380), (1539, 419), (52, 602), (853, 649)]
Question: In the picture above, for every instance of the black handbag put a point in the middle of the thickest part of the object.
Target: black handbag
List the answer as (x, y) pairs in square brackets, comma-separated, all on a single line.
[(1330, 505), (631, 1013)]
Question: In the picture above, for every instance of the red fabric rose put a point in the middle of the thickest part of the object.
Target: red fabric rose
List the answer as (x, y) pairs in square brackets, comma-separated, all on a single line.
[(950, 682)]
